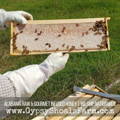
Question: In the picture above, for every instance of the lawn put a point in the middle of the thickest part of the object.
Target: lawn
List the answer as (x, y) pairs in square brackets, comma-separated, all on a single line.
[(100, 68)]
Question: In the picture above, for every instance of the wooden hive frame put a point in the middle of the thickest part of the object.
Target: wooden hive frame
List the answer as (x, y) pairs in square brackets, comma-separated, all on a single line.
[(66, 21), (78, 96)]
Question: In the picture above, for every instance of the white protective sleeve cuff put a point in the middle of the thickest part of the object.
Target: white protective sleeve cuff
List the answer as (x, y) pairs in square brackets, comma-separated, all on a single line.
[(27, 79)]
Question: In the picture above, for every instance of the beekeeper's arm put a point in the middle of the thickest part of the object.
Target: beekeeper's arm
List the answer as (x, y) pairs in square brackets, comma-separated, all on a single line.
[(27, 79), (16, 16)]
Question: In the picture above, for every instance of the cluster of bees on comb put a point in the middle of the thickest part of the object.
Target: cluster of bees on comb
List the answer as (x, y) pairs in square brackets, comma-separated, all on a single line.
[(25, 50), (98, 28), (67, 47), (14, 41)]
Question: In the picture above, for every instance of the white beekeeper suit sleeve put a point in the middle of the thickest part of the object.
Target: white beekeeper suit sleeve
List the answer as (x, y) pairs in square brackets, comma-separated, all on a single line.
[(27, 79)]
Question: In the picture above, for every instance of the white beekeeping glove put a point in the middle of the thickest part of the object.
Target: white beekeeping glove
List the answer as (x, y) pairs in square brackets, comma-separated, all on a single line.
[(27, 79), (55, 62), (15, 16)]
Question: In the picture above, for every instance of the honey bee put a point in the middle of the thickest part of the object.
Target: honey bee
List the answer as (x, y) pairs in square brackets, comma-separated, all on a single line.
[(97, 33), (48, 44), (39, 33), (90, 29), (15, 36), (104, 37), (63, 30), (100, 46), (21, 31), (36, 39), (104, 44), (72, 48), (35, 30), (67, 47), (83, 34), (59, 35), (81, 45), (57, 49), (77, 25), (63, 45), (25, 51), (23, 46), (14, 47), (86, 32)]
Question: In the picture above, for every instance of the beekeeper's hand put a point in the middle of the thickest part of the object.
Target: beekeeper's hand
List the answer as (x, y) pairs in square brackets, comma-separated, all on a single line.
[(27, 79), (55, 62), (16, 16)]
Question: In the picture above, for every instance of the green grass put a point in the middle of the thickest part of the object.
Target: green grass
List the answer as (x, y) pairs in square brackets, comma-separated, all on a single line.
[(100, 68)]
